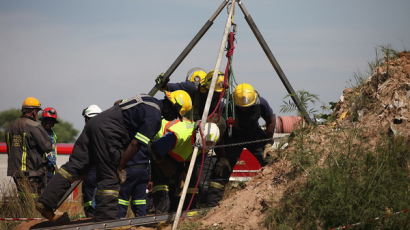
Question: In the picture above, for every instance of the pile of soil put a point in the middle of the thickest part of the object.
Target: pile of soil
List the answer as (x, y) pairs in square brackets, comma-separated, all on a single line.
[(380, 106)]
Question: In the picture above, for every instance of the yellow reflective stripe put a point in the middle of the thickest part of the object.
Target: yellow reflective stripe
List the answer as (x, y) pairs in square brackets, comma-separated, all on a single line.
[(123, 202), (139, 202), (160, 188), (192, 190), (216, 185), (24, 155), (88, 203), (107, 193), (142, 138), (192, 213), (65, 174)]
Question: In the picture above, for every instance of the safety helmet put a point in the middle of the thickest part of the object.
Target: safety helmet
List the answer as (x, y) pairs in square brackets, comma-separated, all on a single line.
[(91, 111), (219, 86), (244, 95), (181, 99), (49, 112), (211, 133), (31, 103), (196, 75)]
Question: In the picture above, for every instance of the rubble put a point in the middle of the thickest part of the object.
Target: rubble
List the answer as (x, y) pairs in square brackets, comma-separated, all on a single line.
[(380, 107)]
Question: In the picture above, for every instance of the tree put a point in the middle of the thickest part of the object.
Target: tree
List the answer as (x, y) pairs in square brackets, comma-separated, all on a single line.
[(65, 131)]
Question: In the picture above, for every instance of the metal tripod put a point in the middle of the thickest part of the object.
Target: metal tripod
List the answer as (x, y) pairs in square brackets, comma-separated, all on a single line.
[(262, 43)]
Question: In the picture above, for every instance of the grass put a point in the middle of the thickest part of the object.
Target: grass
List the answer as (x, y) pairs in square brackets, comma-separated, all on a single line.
[(15, 206), (356, 183)]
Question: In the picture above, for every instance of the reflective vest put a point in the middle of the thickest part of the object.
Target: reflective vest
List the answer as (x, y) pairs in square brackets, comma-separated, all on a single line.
[(183, 131)]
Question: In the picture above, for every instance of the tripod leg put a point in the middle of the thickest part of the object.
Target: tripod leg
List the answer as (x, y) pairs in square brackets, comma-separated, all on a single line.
[(190, 46), (274, 63)]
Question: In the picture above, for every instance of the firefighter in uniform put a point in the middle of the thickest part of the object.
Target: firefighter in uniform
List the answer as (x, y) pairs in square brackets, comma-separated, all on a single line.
[(134, 191), (172, 150), (27, 141), (89, 185), (197, 84), (48, 120), (109, 141), (249, 107)]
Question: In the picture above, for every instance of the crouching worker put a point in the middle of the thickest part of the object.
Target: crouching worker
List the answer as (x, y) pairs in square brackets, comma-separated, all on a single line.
[(109, 141), (171, 153)]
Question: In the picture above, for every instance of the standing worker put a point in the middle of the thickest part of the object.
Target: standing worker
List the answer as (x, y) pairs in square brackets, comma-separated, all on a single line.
[(134, 191), (89, 186), (27, 141), (109, 141), (249, 108), (48, 120)]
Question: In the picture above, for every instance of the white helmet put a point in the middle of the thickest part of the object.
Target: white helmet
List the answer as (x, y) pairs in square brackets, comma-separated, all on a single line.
[(91, 111), (211, 133)]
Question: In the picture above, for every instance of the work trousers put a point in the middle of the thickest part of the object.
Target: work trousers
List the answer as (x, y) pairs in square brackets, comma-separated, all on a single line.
[(220, 173), (168, 187), (134, 191), (101, 142), (89, 189)]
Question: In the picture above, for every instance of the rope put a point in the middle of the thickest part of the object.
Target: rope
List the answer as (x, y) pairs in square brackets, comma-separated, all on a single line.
[(374, 219), (242, 143)]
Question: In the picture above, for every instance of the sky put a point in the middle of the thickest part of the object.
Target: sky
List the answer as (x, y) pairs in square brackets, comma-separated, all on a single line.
[(73, 53)]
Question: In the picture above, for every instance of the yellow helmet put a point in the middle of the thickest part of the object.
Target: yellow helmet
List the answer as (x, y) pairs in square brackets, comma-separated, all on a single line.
[(31, 103), (196, 76), (219, 86), (180, 98), (244, 95)]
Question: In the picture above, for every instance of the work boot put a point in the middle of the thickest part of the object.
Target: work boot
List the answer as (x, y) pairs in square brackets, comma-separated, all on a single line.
[(45, 211)]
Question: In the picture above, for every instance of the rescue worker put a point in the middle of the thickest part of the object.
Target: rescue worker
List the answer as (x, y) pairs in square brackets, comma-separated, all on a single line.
[(172, 150), (27, 141), (197, 85), (109, 141), (90, 178), (249, 107), (134, 191), (48, 120)]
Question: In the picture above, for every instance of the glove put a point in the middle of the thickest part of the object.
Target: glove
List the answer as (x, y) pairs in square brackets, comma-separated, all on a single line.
[(161, 81), (222, 167), (122, 175)]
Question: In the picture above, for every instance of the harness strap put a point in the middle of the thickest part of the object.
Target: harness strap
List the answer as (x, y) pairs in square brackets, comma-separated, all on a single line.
[(129, 103)]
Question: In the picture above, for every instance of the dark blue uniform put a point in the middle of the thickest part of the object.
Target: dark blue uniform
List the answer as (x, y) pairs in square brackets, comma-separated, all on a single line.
[(89, 189), (245, 129), (102, 141), (135, 186)]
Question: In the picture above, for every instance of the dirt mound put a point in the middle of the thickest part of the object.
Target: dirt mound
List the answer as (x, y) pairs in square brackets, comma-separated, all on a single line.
[(380, 106)]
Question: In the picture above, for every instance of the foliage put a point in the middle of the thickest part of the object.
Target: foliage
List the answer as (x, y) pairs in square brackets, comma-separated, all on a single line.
[(308, 101), (355, 183), (65, 131)]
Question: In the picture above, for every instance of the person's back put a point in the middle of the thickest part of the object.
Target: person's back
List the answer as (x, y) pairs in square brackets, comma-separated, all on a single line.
[(27, 141)]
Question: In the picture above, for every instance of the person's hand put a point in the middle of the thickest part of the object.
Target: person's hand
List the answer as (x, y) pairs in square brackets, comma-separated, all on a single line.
[(161, 81), (122, 175)]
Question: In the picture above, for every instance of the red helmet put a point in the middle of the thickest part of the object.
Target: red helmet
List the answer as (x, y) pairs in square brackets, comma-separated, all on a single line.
[(49, 112)]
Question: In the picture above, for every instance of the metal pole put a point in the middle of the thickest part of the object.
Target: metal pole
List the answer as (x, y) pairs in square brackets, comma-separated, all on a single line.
[(190, 46), (205, 114), (274, 63)]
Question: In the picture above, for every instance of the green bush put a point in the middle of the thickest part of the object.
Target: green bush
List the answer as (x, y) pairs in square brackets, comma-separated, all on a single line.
[(355, 184)]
